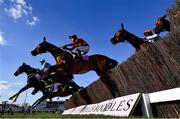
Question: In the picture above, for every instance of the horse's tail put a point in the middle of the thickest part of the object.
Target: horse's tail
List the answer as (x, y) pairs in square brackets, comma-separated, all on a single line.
[(112, 63)]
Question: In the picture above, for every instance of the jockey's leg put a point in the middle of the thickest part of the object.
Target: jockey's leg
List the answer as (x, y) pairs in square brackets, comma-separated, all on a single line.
[(82, 50), (44, 79)]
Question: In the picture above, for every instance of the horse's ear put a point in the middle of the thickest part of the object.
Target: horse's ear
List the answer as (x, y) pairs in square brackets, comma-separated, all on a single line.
[(24, 63), (122, 26), (44, 39)]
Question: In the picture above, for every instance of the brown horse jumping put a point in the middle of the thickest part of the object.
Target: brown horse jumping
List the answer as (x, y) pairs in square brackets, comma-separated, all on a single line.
[(31, 80), (123, 35), (162, 24), (65, 62)]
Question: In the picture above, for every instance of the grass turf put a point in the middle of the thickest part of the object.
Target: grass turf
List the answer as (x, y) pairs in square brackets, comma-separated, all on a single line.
[(55, 115)]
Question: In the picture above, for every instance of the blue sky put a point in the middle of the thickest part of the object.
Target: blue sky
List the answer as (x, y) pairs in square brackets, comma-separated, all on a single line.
[(24, 23)]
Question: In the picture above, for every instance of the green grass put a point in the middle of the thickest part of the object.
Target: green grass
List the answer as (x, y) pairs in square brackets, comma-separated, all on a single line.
[(52, 115)]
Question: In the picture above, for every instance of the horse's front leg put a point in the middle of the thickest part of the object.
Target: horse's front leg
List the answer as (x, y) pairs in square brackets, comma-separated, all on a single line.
[(27, 86), (38, 101)]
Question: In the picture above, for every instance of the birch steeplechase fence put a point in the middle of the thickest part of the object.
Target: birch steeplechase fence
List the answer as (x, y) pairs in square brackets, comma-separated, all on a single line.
[(148, 71)]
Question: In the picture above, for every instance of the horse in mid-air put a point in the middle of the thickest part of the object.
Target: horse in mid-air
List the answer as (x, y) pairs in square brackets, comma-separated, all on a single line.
[(32, 81), (65, 63)]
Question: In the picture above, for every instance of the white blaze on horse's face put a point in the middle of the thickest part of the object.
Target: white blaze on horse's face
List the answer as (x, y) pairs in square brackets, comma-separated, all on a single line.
[(116, 36), (119, 36)]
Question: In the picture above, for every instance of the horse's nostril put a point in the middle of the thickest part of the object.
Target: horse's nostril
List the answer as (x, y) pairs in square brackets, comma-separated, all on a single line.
[(33, 53), (15, 74), (112, 40)]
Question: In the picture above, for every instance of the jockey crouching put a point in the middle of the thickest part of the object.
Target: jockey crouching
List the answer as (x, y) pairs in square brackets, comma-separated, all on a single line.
[(42, 75), (78, 47), (45, 69), (149, 36)]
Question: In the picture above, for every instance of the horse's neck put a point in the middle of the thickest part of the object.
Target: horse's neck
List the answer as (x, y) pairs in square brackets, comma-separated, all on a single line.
[(53, 50), (31, 70), (134, 40), (56, 51)]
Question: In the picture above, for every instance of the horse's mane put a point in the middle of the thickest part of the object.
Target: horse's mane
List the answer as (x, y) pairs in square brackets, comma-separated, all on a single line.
[(58, 49), (51, 44), (134, 36), (31, 68)]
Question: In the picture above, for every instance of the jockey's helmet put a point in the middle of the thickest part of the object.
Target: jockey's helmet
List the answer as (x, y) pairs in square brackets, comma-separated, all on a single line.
[(148, 32), (73, 37), (42, 61)]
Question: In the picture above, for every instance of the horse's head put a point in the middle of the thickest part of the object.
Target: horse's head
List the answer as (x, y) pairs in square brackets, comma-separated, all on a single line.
[(119, 36), (162, 24), (21, 69), (41, 48)]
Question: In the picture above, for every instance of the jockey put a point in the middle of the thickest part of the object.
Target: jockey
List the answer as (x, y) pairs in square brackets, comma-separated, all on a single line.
[(78, 46), (44, 72), (45, 66), (149, 36)]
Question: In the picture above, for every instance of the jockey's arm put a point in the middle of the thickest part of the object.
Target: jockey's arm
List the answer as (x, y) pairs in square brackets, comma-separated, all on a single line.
[(71, 44), (69, 48)]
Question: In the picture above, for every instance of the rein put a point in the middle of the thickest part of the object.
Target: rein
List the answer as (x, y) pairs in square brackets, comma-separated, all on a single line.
[(31, 75)]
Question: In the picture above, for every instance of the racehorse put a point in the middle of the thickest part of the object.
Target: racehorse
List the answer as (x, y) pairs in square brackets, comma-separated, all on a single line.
[(31, 82), (39, 85), (63, 91), (162, 24), (123, 35), (65, 62)]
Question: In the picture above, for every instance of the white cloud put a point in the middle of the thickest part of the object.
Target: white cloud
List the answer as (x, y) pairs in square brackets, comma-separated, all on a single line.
[(21, 2), (4, 85), (18, 9), (34, 21), (2, 39)]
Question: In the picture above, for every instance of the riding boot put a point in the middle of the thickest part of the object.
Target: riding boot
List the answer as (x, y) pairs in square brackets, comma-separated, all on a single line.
[(79, 54), (43, 79)]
